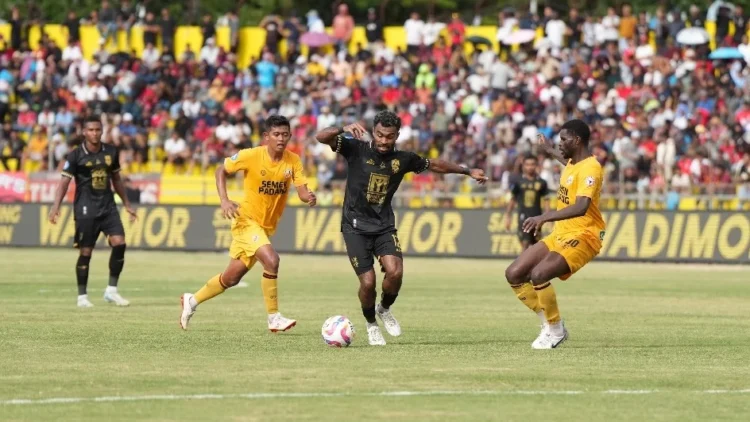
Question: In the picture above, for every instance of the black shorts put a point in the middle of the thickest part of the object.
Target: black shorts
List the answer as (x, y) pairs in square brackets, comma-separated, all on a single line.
[(88, 230), (361, 249)]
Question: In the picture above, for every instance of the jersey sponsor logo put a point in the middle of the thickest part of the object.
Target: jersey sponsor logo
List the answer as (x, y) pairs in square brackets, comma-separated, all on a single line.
[(395, 166), (108, 160), (270, 187), (377, 188), (562, 195), (99, 179), (234, 157), (590, 181)]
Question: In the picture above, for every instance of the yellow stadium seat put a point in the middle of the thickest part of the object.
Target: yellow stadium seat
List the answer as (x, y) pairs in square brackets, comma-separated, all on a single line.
[(12, 164), (463, 202), (688, 204), (416, 202)]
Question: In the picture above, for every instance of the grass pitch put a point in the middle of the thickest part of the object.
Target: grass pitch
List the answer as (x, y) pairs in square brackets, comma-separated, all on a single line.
[(648, 342)]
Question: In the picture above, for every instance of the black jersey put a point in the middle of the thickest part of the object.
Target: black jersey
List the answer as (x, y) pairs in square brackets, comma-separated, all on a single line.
[(371, 182), (528, 194), (92, 172)]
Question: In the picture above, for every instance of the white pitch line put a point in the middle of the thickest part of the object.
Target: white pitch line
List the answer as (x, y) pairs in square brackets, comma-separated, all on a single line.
[(261, 396)]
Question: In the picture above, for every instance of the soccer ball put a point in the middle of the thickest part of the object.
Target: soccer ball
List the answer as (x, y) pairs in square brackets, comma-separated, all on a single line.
[(338, 331)]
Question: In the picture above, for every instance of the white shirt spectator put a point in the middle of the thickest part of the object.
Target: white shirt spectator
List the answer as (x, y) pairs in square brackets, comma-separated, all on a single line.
[(47, 119), (431, 32), (175, 146), (210, 53), (72, 53), (414, 29), (555, 30), (228, 133), (151, 56), (191, 108), (326, 119)]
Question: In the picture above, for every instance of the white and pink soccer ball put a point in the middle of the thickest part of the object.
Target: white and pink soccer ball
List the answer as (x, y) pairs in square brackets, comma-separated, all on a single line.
[(338, 331)]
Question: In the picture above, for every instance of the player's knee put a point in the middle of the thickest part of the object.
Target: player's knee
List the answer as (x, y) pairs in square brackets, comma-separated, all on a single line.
[(367, 281), (229, 280), (394, 273), (86, 251), (514, 274), (540, 275), (272, 263)]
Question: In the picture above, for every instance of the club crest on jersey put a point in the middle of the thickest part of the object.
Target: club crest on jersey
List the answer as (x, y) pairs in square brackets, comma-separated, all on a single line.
[(370, 162), (395, 166), (569, 181), (287, 173), (590, 181), (89, 164), (108, 160)]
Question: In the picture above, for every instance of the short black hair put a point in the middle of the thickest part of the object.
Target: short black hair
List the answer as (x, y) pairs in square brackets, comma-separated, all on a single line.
[(387, 118), (92, 118), (530, 157), (276, 120), (579, 128)]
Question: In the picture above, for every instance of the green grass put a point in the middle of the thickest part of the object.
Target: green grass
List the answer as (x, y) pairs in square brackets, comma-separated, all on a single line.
[(676, 329)]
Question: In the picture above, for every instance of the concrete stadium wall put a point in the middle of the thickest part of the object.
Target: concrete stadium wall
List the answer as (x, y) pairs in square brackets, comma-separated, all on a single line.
[(696, 237)]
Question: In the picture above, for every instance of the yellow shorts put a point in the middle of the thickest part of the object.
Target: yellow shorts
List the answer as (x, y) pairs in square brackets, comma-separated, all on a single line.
[(578, 249), (247, 238)]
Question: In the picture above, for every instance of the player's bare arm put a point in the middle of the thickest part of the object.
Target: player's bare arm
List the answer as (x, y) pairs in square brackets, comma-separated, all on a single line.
[(534, 224), (306, 195), (120, 190), (549, 148), (62, 190), (509, 212), (328, 136), (229, 209), (446, 167)]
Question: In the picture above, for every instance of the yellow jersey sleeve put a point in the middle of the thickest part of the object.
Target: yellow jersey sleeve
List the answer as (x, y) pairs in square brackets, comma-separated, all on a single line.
[(298, 171), (241, 161), (589, 182)]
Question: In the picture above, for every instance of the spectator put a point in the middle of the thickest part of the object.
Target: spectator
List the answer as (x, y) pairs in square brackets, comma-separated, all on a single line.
[(343, 27)]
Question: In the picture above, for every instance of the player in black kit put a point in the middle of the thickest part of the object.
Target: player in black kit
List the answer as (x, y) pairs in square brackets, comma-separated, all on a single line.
[(95, 167), (376, 170), (528, 191)]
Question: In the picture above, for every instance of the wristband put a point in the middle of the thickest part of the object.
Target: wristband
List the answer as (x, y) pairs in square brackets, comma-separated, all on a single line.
[(466, 171)]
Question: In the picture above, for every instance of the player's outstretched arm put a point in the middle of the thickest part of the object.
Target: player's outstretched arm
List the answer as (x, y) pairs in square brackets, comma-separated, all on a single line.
[(229, 209), (328, 136), (306, 195), (120, 189), (534, 224), (446, 167), (549, 147), (62, 190)]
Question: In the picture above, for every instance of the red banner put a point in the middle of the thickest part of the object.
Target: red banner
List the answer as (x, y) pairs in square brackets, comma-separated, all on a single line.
[(42, 187), (12, 186)]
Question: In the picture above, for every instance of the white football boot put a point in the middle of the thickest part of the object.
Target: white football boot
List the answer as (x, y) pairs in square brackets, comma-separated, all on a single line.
[(542, 335), (187, 310), (389, 321), (277, 322), (111, 296), (83, 302), (374, 336), (553, 339)]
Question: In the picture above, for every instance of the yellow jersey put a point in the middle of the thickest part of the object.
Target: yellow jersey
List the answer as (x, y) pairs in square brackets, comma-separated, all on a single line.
[(581, 179), (266, 184)]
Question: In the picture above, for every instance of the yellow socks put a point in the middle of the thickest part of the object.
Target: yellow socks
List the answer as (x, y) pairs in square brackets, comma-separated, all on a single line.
[(528, 296), (548, 302), (213, 288), (270, 284)]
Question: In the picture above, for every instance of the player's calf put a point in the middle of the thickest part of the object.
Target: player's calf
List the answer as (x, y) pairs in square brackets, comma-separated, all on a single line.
[(82, 278), (116, 264)]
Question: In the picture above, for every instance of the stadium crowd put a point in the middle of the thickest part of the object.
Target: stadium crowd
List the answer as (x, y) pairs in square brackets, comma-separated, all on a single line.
[(664, 116)]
